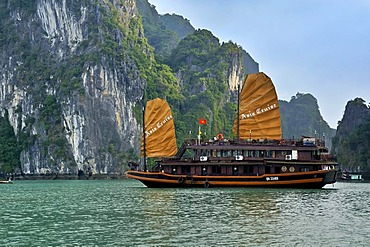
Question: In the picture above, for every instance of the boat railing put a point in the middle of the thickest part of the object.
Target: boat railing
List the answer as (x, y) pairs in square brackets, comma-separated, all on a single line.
[(231, 142), (191, 143), (226, 159)]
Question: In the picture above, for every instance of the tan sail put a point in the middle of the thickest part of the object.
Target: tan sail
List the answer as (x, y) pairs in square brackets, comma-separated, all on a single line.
[(259, 109), (160, 138)]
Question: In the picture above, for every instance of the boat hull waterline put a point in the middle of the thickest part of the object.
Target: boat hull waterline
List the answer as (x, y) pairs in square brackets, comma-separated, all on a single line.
[(313, 179)]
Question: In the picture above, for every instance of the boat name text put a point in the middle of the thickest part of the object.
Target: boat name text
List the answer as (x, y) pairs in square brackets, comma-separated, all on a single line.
[(158, 126), (258, 111), (272, 178)]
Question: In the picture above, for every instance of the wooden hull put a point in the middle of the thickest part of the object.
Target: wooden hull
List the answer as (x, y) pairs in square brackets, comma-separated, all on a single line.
[(312, 179)]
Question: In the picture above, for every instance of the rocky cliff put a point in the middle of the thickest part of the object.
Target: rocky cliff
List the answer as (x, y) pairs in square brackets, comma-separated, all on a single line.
[(69, 85), (301, 117), (352, 140), (73, 76)]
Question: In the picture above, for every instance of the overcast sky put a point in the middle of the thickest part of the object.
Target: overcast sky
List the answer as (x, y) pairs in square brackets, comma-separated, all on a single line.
[(320, 47)]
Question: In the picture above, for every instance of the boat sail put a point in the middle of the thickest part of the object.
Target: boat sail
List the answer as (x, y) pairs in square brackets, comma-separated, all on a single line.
[(259, 112), (159, 131)]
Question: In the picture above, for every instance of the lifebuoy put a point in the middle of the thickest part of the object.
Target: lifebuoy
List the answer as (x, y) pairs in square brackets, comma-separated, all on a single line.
[(284, 169), (181, 180), (220, 137), (206, 184)]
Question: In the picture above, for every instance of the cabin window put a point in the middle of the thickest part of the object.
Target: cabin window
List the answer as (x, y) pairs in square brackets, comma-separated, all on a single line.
[(260, 170), (204, 152), (223, 169), (317, 155), (185, 170), (250, 153), (268, 169), (304, 169), (229, 170), (248, 169), (257, 153), (227, 153), (262, 153), (216, 169), (268, 154), (219, 154)]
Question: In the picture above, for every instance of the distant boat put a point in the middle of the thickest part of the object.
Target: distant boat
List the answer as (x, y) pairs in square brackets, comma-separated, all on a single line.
[(257, 157), (6, 181), (351, 176)]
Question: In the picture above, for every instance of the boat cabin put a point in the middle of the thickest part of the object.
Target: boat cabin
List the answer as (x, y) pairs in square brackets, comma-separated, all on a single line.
[(245, 158)]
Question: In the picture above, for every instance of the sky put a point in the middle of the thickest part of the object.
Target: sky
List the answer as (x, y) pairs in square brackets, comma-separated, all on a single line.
[(321, 47)]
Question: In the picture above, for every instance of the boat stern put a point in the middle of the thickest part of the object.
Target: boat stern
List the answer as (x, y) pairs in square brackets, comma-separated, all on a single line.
[(330, 177)]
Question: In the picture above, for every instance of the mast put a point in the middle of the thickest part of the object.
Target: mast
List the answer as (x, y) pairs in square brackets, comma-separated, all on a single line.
[(144, 135), (238, 124), (144, 139)]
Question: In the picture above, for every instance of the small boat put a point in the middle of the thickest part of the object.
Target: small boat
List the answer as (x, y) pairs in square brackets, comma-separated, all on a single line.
[(6, 181), (256, 157), (351, 176)]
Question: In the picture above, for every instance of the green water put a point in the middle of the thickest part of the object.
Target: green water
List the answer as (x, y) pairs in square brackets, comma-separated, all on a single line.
[(125, 213)]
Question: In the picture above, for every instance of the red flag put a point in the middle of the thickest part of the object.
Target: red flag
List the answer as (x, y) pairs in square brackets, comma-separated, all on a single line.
[(202, 121)]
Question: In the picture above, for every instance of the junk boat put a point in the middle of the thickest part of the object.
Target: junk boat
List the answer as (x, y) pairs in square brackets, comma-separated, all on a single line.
[(257, 157)]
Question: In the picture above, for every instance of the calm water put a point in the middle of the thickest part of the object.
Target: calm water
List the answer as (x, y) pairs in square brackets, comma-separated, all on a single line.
[(125, 213)]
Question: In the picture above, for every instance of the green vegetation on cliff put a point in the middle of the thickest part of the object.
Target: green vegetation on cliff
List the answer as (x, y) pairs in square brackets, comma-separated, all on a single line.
[(9, 148), (163, 32), (201, 64), (177, 24)]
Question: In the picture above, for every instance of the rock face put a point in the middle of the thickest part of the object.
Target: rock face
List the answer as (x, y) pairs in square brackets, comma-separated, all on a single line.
[(352, 140), (69, 85), (301, 117), (356, 114), (71, 75)]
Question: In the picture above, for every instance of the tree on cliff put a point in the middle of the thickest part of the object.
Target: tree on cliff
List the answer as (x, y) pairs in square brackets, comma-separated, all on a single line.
[(9, 150)]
